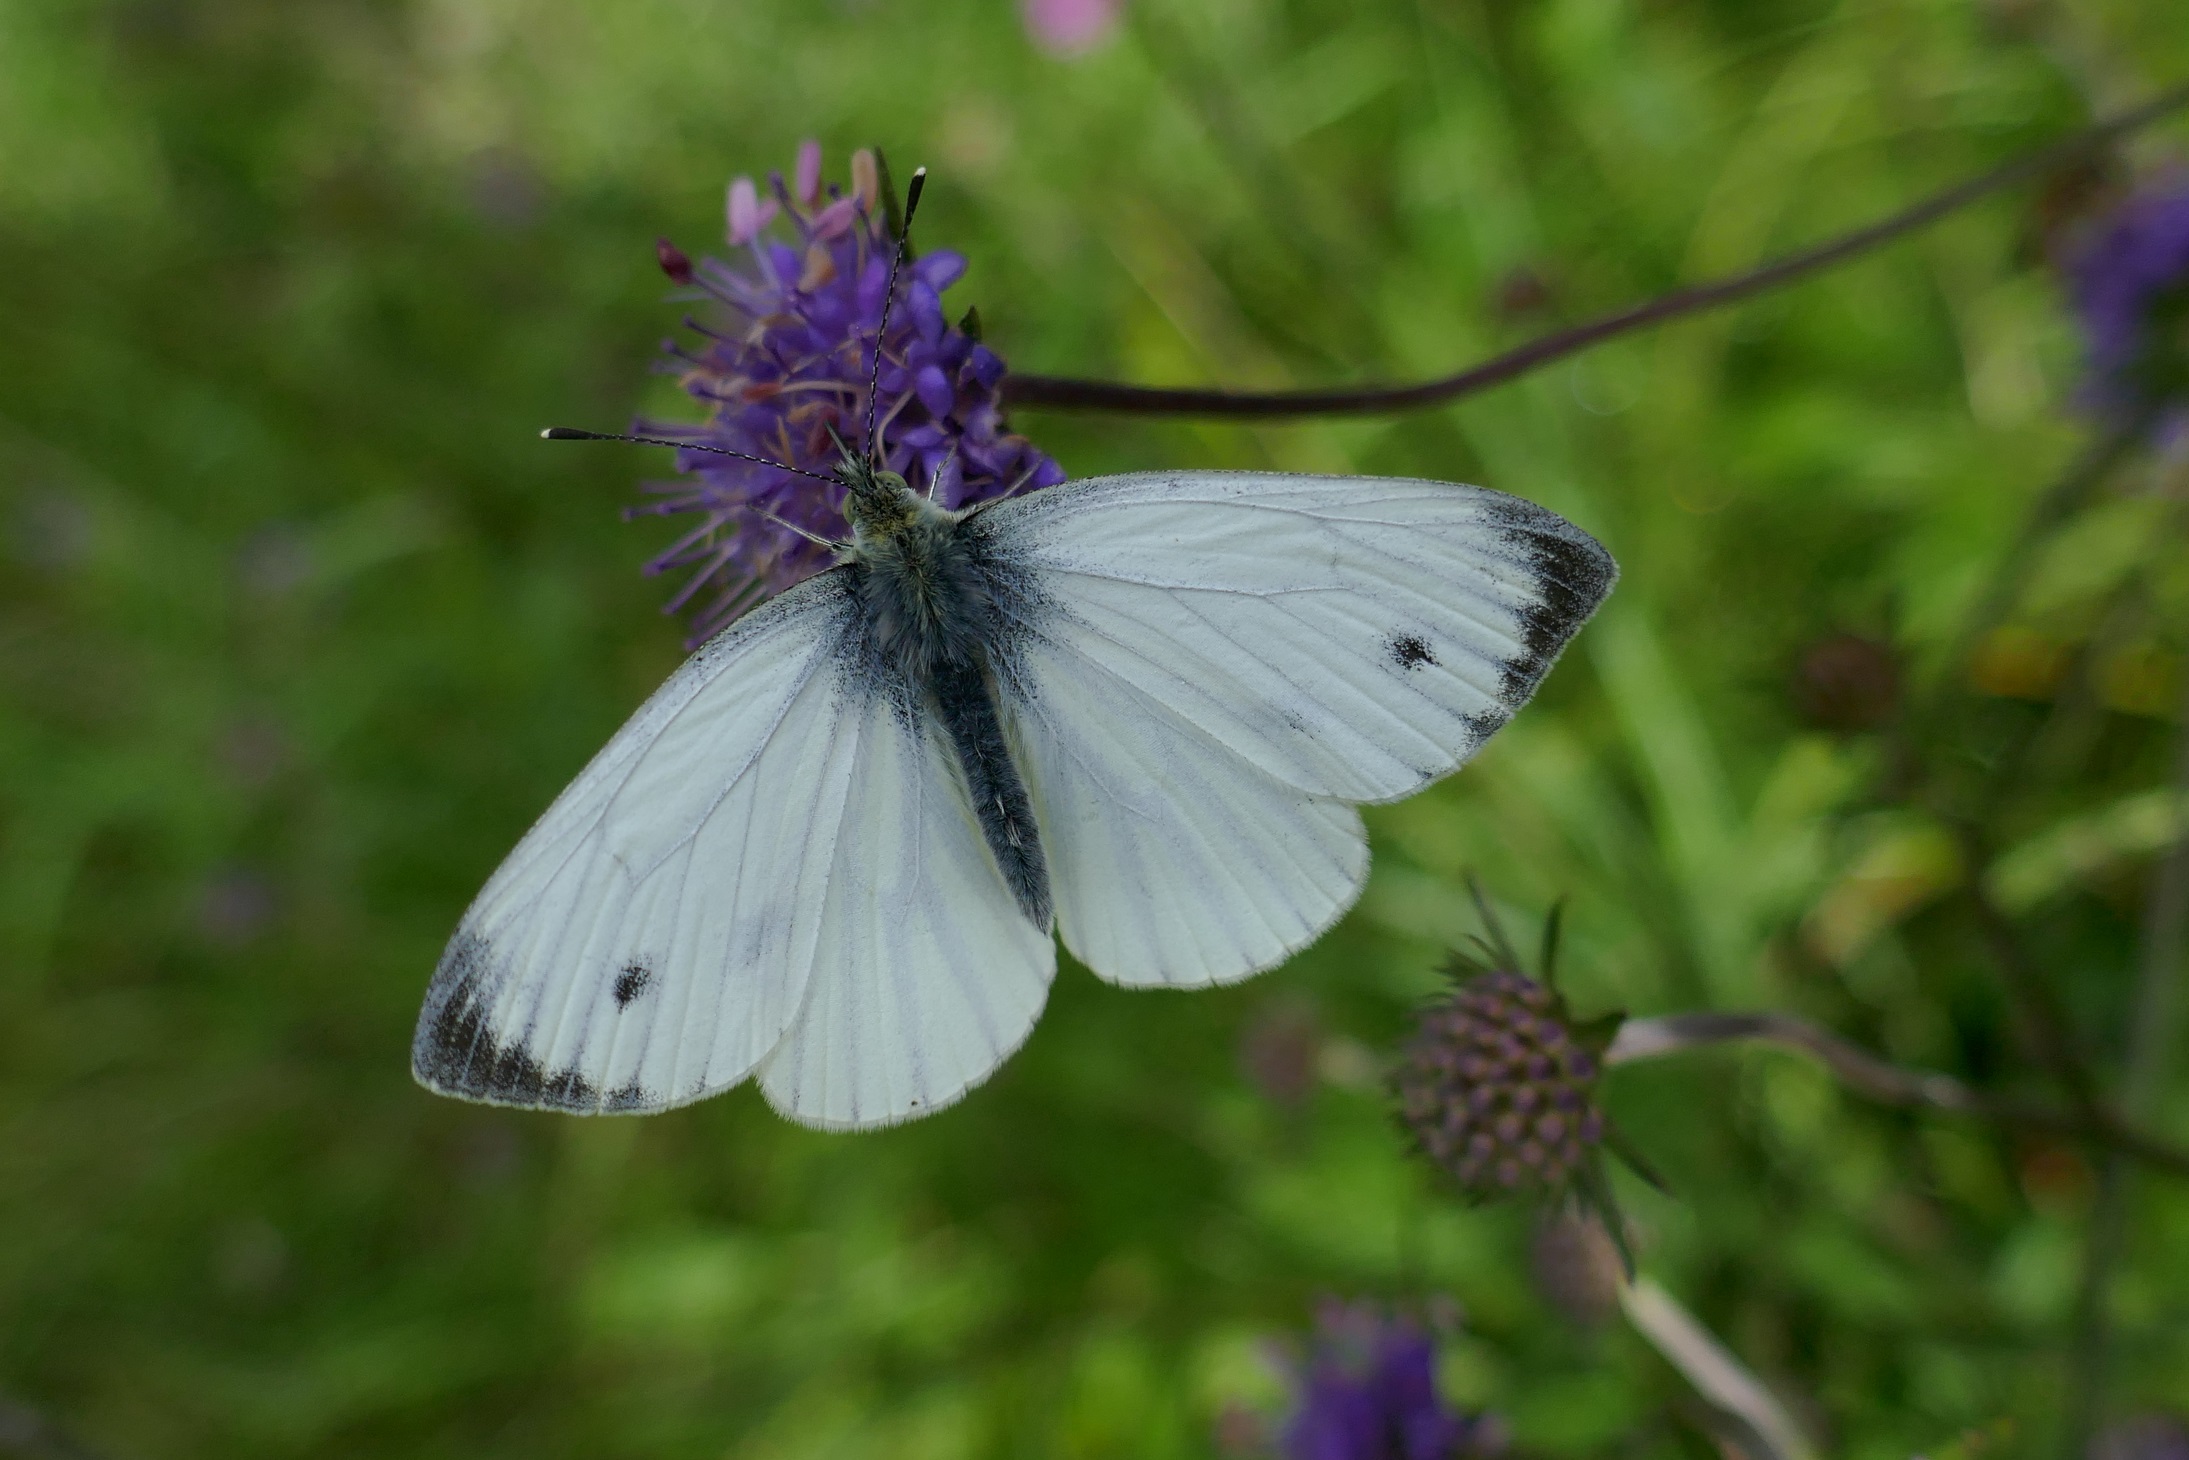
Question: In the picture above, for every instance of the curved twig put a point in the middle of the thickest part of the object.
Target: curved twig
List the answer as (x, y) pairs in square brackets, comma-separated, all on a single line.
[(1065, 393), (1885, 1082)]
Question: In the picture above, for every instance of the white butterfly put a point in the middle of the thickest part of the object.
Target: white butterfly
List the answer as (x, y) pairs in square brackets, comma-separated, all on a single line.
[(1138, 711)]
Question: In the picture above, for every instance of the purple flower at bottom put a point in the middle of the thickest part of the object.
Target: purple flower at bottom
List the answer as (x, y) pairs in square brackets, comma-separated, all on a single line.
[(2130, 281), (787, 361), (1368, 1391)]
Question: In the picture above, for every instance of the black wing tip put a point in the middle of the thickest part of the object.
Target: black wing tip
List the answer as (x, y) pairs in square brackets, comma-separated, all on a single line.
[(1574, 574), (454, 1052)]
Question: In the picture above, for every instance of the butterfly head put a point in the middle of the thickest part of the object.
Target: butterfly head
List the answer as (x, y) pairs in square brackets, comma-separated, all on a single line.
[(879, 502), (881, 505)]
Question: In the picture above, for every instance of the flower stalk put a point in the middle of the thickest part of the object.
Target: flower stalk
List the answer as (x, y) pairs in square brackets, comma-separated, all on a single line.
[(1885, 1082)]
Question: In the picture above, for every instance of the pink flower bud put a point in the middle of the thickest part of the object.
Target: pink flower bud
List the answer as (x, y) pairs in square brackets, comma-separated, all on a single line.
[(1067, 28), (808, 174), (834, 220), (866, 181), (748, 214), (674, 261)]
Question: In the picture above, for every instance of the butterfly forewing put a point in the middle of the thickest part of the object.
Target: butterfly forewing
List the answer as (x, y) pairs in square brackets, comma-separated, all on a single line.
[(652, 936), (1353, 637)]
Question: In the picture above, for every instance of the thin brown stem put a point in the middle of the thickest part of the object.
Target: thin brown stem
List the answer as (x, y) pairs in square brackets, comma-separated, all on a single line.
[(1065, 393), (1888, 1083)]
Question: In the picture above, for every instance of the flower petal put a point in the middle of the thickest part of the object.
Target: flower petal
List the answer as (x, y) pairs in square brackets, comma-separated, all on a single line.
[(866, 180), (744, 212), (940, 269), (809, 170), (836, 219), (934, 390), (926, 311)]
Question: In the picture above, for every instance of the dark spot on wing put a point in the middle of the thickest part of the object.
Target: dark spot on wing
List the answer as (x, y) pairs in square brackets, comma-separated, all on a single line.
[(1410, 651), (456, 1052), (635, 979)]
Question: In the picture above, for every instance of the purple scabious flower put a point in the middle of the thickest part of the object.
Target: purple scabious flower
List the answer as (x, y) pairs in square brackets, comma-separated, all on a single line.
[(2130, 281), (786, 361), (1367, 1391)]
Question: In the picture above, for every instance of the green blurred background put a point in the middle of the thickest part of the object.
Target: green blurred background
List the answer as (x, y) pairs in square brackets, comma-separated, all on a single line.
[(300, 627)]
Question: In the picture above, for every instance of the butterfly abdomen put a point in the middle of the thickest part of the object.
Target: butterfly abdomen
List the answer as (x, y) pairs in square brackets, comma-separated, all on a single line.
[(931, 614), (963, 696)]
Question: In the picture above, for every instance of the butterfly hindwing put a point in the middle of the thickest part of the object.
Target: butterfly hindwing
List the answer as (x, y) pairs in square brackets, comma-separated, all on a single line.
[(1176, 863), (928, 974)]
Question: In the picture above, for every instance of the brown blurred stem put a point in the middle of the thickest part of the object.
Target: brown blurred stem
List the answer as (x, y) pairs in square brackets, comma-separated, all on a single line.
[(1885, 1082), (1064, 393)]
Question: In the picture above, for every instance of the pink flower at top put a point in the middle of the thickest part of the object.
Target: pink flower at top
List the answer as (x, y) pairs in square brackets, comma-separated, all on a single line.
[(1069, 27)]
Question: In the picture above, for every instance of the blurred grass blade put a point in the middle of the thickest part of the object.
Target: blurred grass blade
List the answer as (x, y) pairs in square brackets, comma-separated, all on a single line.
[(2080, 848)]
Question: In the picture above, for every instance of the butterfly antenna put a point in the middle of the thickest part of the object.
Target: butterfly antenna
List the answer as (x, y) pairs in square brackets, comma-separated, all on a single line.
[(572, 433), (889, 297)]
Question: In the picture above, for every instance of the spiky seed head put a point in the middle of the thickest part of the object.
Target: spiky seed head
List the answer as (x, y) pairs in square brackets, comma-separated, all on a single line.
[(1497, 1092)]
